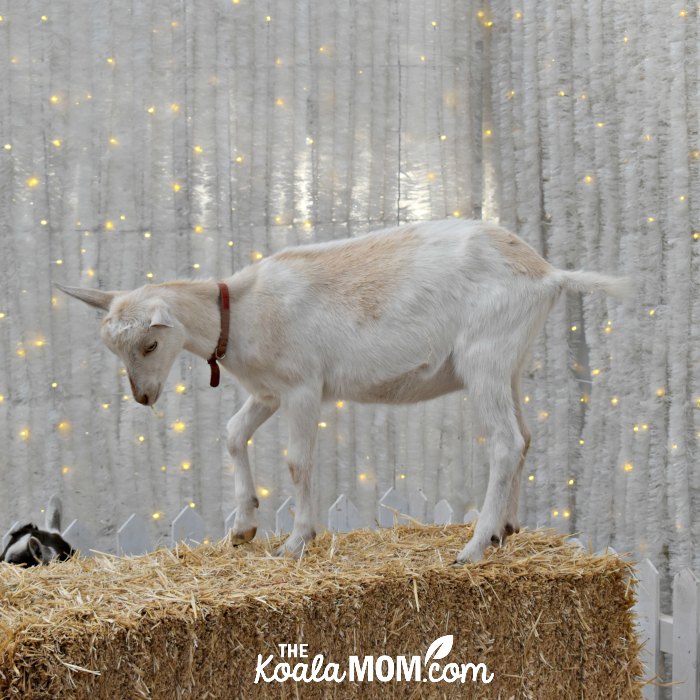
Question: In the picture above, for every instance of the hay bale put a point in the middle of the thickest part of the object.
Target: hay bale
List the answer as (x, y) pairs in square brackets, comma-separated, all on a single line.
[(548, 620)]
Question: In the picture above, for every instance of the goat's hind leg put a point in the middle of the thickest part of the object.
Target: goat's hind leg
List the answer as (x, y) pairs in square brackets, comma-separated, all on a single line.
[(239, 430), (494, 401)]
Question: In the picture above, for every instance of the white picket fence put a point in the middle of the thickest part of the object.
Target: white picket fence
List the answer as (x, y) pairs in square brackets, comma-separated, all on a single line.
[(677, 634)]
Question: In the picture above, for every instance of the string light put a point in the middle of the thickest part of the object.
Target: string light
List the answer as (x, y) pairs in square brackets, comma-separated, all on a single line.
[(595, 372), (339, 404), (196, 266), (109, 225), (531, 477), (65, 470), (661, 392), (566, 513), (156, 515), (198, 149), (54, 99), (230, 244), (614, 401), (488, 133), (402, 476), (151, 109), (179, 426), (32, 182), (111, 61), (518, 15), (163, 468), (64, 426), (186, 466), (8, 146), (443, 137), (571, 482), (588, 179), (362, 476), (555, 513), (581, 441), (25, 434), (175, 107), (56, 143), (263, 491), (105, 406), (146, 234), (141, 438), (628, 467), (113, 141), (543, 415), (176, 186), (257, 255), (323, 424), (250, 442), (180, 388), (239, 159)]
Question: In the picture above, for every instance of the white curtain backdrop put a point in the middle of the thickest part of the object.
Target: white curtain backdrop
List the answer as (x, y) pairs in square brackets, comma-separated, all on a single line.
[(150, 140)]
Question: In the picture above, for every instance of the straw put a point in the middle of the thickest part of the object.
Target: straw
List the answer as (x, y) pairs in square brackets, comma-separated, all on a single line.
[(549, 620)]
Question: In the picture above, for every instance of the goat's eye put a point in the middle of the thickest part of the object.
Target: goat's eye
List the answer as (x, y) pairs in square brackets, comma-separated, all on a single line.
[(151, 347)]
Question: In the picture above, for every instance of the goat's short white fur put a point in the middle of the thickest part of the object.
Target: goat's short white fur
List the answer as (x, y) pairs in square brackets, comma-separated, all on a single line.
[(396, 316)]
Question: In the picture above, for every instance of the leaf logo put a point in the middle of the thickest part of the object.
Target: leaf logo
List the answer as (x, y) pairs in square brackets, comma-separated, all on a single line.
[(440, 648)]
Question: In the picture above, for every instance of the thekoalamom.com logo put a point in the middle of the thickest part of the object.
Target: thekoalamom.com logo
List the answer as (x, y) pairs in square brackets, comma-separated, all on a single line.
[(294, 664)]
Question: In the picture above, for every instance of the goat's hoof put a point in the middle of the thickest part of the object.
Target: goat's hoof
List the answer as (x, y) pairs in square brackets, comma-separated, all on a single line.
[(470, 554), (236, 538)]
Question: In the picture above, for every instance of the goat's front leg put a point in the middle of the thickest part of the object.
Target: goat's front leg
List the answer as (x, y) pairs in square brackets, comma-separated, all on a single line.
[(239, 430), (303, 408)]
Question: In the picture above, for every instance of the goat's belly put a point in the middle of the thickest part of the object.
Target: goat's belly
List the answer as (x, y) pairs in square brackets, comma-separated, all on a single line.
[(419, 384)]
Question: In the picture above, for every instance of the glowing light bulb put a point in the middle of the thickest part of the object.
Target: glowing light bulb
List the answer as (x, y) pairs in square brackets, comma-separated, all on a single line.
[(543, 415), (186, 466), (8, 146), (600, 125), (113, 140), (198, 149), (156, 516), (149, 275), (151, 109), (179, 426), (146, 234), (263, 491), (661, 392), (250, 442), (339, 404), (571, 482), (574, 328), (487, 133), (614, 401), (54, 99), (180, 388), (562, 93), (141, 438), (163, 468), (111, 60), (174, 107), (323, 424), (56, 143), (32, 182), (230, 244), (581, 441), (588, 179), (109, 225), (239, 159), (176, 186), (652, 312), (257, 255), (434, 23), (105, 406), (64, 426), (566, 513), (531, 477), (628, 467), (443, 137), (362, 476), (518, 15), (65, 470), (555, 513), (39, 343), (25, 434)]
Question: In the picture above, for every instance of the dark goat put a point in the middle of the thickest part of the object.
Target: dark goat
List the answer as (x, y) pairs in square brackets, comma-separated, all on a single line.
[(30, 545)]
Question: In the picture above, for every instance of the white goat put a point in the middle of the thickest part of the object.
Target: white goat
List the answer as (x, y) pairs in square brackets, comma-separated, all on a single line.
[(396, 316)]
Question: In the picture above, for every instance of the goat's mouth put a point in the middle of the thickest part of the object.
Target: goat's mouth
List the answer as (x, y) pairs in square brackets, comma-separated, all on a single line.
[(146, 398)]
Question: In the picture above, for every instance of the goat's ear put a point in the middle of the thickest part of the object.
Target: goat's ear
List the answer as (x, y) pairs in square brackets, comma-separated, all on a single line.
[(34, 547), (52, 521), (93, 297), (161, 318)]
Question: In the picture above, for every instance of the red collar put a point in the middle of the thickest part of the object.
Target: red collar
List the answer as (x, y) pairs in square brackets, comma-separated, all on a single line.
[(220, 351)]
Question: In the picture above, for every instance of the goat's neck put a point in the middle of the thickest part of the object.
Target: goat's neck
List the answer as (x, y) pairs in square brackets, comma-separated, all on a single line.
[(196, 307)]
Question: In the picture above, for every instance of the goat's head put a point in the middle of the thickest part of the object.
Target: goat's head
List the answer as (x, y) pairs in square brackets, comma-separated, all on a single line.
[(140, 329), (30, 546)]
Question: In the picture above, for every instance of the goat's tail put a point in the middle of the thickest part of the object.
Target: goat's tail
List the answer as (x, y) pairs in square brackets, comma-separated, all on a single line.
[(582, 281)]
